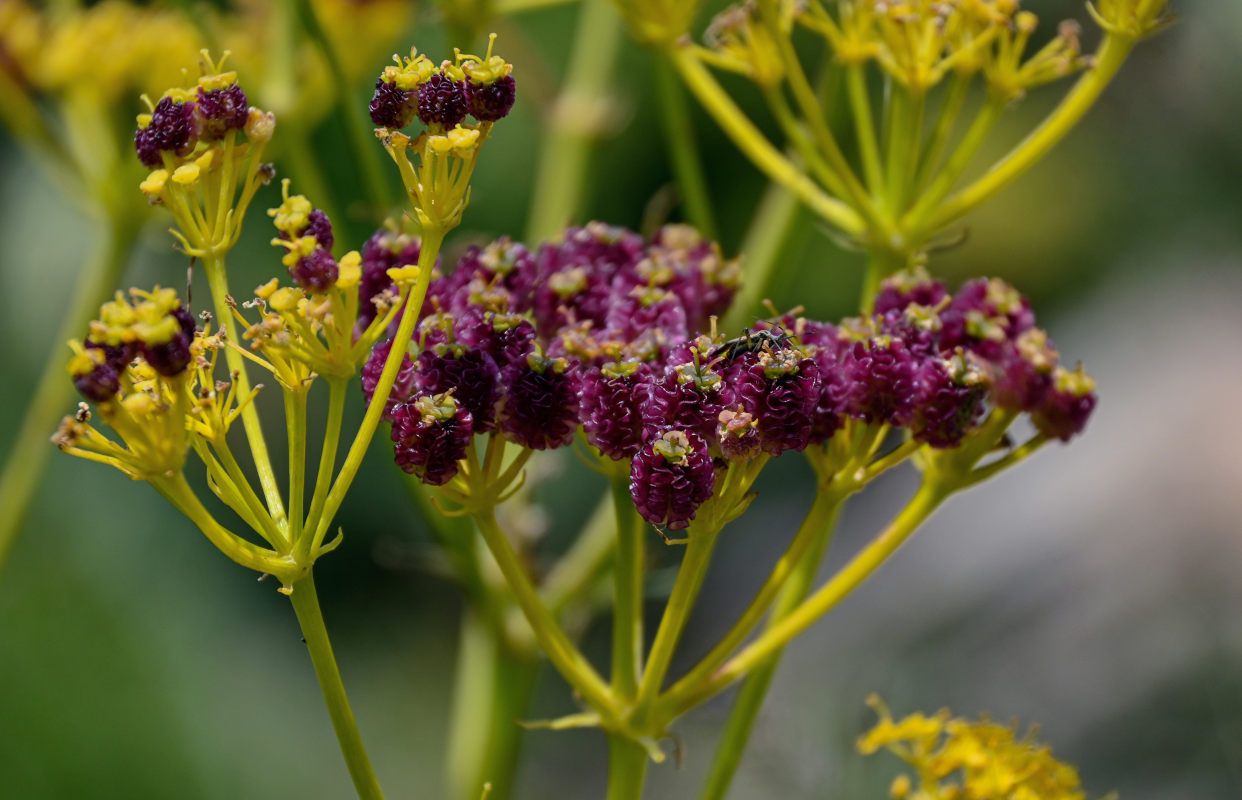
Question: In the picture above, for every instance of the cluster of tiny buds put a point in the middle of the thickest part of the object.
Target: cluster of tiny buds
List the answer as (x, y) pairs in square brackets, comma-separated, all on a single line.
[(306, 235), (153, 326), (601, 332), (443, 96), (182, 118)]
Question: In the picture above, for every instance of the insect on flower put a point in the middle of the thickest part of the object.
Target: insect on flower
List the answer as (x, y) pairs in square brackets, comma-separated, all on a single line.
[(752, 341)]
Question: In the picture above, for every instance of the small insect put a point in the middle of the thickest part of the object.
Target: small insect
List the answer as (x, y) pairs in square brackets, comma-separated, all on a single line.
[(751, 341)]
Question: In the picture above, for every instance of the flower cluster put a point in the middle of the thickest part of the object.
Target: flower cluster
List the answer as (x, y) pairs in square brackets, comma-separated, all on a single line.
[(605, 331), (441, 97), (134, 365), (956, 758), (215, 106)]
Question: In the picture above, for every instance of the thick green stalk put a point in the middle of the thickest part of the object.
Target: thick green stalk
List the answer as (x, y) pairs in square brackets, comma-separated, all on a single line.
[(823, 518), (492, 692), (676, 613), (574, 124), (53, 393), (627, 579), (310, 618), (627, 768), (683, 147), (295, 434)]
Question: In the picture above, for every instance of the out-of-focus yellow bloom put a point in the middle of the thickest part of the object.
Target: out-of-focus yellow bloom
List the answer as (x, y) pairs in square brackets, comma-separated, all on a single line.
[(958, 759)]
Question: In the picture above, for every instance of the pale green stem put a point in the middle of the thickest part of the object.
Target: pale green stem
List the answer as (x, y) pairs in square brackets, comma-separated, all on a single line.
[(683, 147), (310, 618), (924, 502), (53, 394), (627, 768), (905, 133), (627, 579), (492, 692), (821, 519), (218, 281), (551, 637), (802, 145), (758, 149), (950, 110), (881, 262), (1108, 60), (864, 127), (813, 529), (295, 428), (676, 613), (432, 239), (327, 454), (575, 121)]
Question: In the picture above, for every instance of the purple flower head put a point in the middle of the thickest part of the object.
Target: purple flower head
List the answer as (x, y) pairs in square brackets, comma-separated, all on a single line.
[(442, 101), (507, 338), (382, 252), (908, 287), (1067, 406), (687, 396), (402, 388), (171, 129), (983, 315), (392, 106), (645, 309), (781, 390), (316, 272), (609, 406), (670, 477), (540, 405), (918, 326), (98, 377), (948, 401), (1021, 374), (738, 434), (172, 356), (490, 102), (470, 374), (483, 275), (881, 377), (221, 110), (430, 435), (319, 226), (682, 260)]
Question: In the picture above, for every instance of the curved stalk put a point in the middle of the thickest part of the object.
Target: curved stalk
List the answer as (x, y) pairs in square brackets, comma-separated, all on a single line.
[(924, 502), (306, 605), (27, 458)]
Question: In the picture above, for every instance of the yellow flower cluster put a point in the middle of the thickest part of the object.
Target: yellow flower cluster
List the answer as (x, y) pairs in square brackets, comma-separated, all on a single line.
[(959, 759)]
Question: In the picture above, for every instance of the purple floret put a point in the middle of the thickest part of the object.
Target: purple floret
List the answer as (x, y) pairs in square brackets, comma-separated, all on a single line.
[(469, 373), (316, 272), (540, 407), (391, 106), (671, 476), (949, 399), (403, 386), (442, 101), (609, 407), (491, 101), (430, 435), (221, 110), (172, 357), (171, 129), (1067, 406), (880, 374)]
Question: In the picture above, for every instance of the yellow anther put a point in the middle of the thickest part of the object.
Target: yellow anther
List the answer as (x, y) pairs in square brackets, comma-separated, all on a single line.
[(463, 138), (349, 270), (265, 291), (285, 299), (186, 174), (155, 182), (407, 274)]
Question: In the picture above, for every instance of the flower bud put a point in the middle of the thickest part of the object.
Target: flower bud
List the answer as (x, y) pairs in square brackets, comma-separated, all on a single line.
[(670, 477), (430, 435)]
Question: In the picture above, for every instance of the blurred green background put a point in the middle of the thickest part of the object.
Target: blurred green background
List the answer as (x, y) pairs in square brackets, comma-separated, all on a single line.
[(1094, 590)]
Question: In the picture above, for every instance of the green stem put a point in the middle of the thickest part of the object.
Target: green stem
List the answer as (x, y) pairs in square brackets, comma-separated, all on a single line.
[(574, 126), (431, 241), (770, 228), (1108, 60), (903, 147), (492, 691), (864, 127), (924, 502), (627, 768), (218, 281), (310, 618), (627, 579), (548, 632), (683, 147), (676, 613), (24, 465), (295, 433), (822, 519), (327, 454), (814, 529), (950, 110), (747, 138), (881, 262)]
